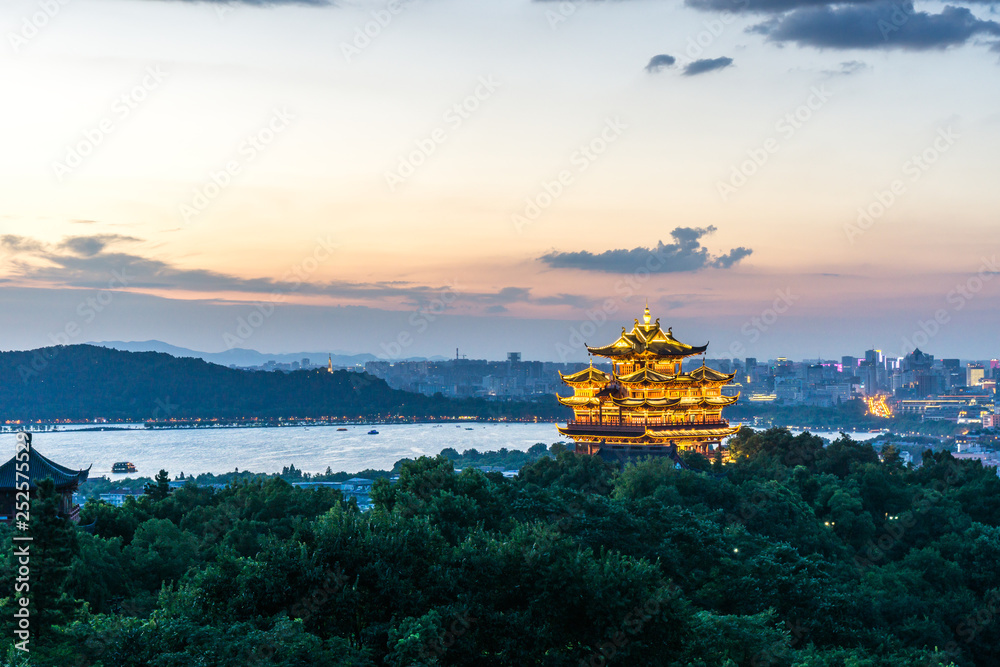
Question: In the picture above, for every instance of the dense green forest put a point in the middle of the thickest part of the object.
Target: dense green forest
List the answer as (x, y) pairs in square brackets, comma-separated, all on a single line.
[(794, 554), (88, 382)]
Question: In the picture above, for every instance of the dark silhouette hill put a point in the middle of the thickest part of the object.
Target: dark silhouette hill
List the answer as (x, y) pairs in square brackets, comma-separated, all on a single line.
[(88, 382)]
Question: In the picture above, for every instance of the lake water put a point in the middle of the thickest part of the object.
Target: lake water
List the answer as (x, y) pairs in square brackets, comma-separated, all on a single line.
[(268, 450), (311, 449)]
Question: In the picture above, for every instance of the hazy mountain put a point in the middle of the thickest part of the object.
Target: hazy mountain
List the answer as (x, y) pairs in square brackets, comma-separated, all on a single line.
[(237, 356), (87, 382)]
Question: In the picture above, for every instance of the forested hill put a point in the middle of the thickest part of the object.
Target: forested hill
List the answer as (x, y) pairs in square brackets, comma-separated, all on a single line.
[(87, 382)]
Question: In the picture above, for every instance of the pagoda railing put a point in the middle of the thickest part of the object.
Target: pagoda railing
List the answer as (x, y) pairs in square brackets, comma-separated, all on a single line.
[(614, 424)]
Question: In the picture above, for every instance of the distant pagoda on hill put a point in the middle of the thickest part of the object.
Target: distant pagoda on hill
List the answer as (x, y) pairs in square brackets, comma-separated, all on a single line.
[(647, 406)]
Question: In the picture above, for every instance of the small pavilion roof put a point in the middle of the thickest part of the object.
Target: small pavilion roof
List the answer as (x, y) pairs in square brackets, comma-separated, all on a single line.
[(40, 468), (579, 401), (587, 375), (705, 374)]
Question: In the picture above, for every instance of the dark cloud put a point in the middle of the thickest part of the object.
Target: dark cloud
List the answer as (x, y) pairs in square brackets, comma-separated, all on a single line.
[(706, 65), (882, 25), (656, 63), (686, 253), (731, 258), (762, 6), (783, 6)]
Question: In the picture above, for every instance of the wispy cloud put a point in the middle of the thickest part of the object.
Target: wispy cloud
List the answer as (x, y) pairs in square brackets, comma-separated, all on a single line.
[(88, 262), (848, 68)]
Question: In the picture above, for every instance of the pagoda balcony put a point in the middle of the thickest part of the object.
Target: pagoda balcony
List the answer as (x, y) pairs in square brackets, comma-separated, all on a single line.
[(614, 425)]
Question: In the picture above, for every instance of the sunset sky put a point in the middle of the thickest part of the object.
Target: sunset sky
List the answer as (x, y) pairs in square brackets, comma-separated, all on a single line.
[(502, 175)]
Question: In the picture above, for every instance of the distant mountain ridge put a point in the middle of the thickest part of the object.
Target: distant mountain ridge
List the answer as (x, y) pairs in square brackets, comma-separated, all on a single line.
[(238, 356), (89, 382)]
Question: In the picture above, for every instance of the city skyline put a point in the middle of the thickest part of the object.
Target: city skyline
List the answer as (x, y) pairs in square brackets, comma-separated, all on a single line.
[(426, 181)]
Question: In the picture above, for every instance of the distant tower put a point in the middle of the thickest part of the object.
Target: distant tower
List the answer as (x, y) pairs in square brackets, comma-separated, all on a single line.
[(329, 365)]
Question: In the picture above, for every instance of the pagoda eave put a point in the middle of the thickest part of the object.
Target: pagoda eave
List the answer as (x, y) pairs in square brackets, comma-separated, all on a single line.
[(642, 435), (644, 355)]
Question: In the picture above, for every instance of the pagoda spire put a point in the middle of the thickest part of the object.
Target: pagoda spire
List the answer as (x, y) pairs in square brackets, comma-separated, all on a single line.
[(646, 318)]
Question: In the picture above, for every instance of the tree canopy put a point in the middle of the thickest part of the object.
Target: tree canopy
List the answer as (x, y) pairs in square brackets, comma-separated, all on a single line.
[(795, 555)]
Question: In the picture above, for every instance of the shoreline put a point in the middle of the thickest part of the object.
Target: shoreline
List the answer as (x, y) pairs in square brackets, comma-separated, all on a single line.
[(75, 427)]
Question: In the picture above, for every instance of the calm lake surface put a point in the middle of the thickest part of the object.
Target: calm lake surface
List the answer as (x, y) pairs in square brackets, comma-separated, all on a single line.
[(311, 449), (268, 450)]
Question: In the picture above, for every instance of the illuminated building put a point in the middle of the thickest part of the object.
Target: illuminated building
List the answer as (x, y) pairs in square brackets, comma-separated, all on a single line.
[(647, 405)]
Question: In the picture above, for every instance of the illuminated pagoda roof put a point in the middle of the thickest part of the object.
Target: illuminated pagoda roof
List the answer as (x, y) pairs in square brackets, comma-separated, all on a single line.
[(647, 340), (586, 376), (721, 432), (579, 401), (705, 374)]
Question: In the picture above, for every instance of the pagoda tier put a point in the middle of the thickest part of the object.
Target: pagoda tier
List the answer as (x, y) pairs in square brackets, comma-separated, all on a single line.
[(646, 405)]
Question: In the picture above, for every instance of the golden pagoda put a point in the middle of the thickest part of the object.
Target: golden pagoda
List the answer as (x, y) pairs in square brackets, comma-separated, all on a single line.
[(647, 405)]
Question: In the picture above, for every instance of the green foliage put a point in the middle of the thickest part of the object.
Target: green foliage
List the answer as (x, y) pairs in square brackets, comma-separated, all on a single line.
[(795, 555), (160, 487)]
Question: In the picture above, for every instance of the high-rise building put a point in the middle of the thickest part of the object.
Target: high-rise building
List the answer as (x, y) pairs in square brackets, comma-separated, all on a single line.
[(647, 405), (974, 375)]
